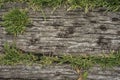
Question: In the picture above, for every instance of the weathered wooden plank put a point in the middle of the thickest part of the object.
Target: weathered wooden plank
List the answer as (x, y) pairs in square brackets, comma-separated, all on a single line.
[(55, 72), (66, 31), (63, 72)]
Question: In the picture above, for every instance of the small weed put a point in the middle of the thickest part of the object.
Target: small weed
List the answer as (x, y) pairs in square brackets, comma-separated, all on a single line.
[(48, 60)]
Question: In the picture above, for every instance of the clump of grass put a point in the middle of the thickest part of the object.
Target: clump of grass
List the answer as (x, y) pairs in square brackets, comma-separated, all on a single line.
[(83, 4), (73, 4), (79, 62), (15, 21), (110, 4), (14, 56), (112, 60), (46, 3), (85, 62)]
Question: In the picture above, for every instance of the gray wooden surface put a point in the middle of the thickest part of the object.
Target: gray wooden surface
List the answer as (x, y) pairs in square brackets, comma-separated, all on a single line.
[(55, 72), (72, 32), (64, 31)]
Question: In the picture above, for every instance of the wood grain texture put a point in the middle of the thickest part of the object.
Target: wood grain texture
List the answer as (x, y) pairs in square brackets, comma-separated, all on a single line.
[(62, 72), (72, 32), (55, 72)]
